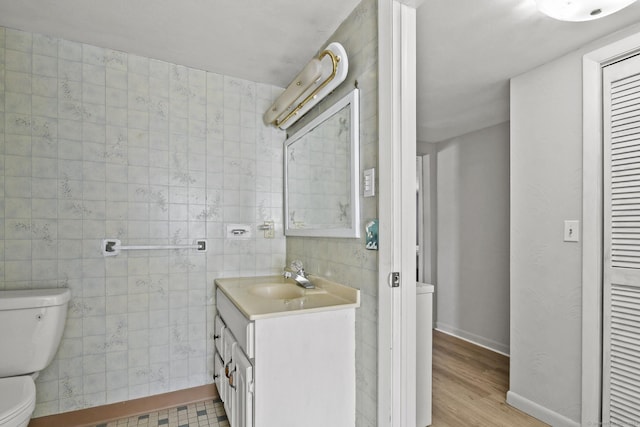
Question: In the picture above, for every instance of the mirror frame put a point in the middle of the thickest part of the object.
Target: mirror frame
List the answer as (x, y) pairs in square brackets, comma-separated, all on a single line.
[(352, 100)]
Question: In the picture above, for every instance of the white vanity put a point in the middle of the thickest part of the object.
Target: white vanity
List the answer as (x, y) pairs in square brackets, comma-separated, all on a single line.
[(285, 355)]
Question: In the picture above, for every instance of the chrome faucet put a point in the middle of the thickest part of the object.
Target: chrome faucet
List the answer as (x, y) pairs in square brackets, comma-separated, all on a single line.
[(298, 274)]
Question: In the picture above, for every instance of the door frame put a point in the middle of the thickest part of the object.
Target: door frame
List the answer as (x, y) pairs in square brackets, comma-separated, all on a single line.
[(397, 212), (592, 217)]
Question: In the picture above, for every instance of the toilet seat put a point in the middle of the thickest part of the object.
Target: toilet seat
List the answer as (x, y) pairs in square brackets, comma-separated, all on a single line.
[(17, 399)]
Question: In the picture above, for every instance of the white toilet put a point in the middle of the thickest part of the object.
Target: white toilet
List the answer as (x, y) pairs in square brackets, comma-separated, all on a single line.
[(31, 325)]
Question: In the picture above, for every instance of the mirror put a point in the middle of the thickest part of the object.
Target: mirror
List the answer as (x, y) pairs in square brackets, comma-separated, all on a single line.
[(321, 174)]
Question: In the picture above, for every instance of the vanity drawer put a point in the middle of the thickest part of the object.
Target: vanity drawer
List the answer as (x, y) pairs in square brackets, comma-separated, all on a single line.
[(241, 327)]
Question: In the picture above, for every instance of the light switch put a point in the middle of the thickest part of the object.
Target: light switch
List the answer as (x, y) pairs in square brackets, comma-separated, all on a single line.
[(370, 182), (572, 231)]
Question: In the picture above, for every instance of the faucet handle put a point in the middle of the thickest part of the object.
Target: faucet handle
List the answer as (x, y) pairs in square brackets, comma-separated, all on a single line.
[(296, 265)]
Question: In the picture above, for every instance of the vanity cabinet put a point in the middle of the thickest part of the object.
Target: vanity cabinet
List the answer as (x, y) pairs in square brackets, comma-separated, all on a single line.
[(286, 369)]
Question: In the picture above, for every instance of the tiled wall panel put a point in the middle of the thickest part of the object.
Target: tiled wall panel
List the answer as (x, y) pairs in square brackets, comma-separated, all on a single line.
[(96, 143)]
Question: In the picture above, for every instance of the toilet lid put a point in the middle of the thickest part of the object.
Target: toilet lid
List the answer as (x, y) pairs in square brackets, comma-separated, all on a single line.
[(16, 394)]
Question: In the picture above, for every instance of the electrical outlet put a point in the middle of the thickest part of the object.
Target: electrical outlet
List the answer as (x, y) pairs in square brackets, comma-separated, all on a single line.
[(269, 230)]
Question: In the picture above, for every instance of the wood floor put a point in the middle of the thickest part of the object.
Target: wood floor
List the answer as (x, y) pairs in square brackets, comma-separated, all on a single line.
[(469, 386)]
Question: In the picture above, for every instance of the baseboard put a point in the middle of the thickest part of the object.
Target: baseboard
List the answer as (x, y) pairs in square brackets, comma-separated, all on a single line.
[(540, 412), (130, 408), (473, 338)]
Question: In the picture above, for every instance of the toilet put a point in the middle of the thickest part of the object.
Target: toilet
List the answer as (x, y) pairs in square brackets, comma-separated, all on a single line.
[(32, 322)]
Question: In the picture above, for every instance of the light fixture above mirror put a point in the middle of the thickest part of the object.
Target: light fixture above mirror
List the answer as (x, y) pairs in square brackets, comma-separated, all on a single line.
[(316, 80), (581, 10)]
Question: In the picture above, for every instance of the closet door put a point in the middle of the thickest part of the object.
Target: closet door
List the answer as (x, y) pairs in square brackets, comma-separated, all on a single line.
[(621, 281)]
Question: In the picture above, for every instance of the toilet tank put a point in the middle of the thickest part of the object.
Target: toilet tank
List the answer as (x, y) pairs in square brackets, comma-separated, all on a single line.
[(31, 326)]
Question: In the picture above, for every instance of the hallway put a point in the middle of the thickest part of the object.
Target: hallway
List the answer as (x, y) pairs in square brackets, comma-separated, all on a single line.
[(469, 386)]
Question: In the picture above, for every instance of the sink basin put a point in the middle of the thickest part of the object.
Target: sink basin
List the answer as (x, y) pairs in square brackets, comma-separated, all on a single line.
[(277, 291), (264, 297)]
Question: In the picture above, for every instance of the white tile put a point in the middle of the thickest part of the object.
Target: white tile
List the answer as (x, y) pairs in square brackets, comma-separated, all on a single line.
[(94, 383), (44, 269), (116, 59), (94, 74), (44, 208), (44, 167), (93, 93), (117, 379), (44, 106), (116, 79), (138, 64), (19, 82), (93, 55), (18, 103), (69, 249), (45, 65), (18, 40), (137, 358), (45, 45), (47, 391)]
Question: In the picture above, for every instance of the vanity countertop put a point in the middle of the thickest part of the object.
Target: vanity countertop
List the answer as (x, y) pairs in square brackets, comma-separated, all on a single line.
[(273, 296)]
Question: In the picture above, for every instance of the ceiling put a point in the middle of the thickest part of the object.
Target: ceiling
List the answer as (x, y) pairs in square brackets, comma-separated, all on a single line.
[(467, 49)]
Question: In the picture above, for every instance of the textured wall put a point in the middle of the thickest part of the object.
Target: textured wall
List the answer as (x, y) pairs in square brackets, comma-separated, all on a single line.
[(546, 176), (96, 143), (473, 237), (346, 260)]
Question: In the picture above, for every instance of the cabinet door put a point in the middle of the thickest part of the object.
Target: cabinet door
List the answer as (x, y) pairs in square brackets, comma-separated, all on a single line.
[(242, 386), (228, 346), (218, 376)]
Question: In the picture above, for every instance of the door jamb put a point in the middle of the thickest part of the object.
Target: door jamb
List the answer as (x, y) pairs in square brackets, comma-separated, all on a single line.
[(397, 152)]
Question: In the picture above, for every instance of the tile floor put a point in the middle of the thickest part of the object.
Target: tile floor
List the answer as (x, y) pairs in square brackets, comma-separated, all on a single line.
[(209, 413)]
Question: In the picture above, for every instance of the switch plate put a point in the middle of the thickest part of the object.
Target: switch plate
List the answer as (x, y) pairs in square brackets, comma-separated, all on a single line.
[(572, 231), (370, 182)]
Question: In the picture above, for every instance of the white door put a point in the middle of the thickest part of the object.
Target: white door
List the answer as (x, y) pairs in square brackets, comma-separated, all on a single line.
[(242, 384), (621, 237), (397, 210)]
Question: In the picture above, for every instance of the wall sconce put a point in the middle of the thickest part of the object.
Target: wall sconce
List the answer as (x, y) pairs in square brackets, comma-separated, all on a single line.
[(580, 10), (316, 80)]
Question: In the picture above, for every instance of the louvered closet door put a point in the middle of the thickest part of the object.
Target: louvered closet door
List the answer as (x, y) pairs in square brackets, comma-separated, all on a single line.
[(621, 285)]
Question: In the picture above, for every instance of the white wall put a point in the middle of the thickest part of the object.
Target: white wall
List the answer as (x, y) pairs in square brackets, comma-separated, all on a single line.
[(546, 172), (546, 189), (97, 143), (429, 182), (472, 285)]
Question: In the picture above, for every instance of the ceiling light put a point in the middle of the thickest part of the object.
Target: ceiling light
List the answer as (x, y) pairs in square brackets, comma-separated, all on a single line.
[(581, 10), (316, 80)]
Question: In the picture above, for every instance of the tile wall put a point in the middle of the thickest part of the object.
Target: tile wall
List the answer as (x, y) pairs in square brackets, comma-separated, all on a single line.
[(346, 260), (96, 143)]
